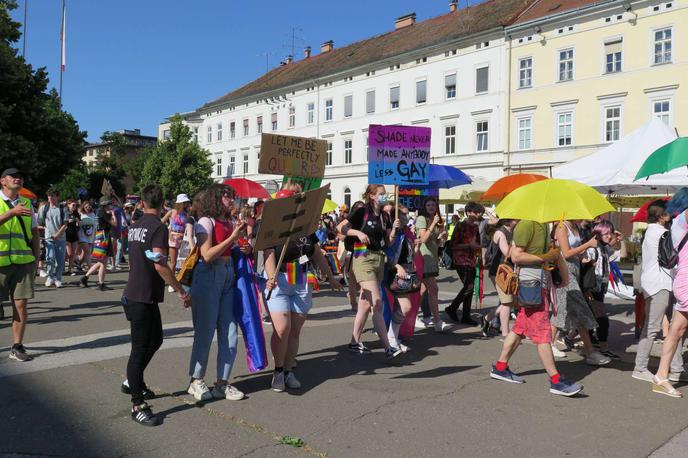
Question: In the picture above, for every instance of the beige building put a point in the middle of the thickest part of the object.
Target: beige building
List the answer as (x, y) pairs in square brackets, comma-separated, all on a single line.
[(134, 143)]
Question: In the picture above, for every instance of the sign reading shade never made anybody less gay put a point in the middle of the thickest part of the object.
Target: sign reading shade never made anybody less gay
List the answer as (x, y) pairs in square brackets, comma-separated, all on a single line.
[(398, 155)]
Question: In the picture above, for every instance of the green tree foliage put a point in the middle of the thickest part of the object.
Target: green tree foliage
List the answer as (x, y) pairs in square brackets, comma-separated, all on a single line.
[(177, 164), (36, 135)]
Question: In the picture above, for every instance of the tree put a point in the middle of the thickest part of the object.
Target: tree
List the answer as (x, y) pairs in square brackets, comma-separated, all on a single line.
[(177, 164), (36, 135)]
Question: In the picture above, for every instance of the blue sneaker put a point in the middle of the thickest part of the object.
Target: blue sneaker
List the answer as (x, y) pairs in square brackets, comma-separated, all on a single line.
[(565, 387), (506, 375)]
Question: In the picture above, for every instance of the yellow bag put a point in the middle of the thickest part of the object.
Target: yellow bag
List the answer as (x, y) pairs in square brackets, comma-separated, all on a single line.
[(185, 274)]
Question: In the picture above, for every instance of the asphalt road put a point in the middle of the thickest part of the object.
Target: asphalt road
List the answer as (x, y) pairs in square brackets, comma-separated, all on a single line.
[(438, 401)]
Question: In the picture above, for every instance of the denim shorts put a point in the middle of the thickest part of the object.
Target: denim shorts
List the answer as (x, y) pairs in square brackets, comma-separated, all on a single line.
[(290, 298)]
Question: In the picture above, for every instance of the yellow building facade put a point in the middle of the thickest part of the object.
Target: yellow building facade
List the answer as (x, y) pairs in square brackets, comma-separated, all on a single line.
[(586, 76)]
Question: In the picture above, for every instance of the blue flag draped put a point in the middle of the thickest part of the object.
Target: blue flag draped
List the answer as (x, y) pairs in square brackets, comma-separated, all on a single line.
[(247, 312)]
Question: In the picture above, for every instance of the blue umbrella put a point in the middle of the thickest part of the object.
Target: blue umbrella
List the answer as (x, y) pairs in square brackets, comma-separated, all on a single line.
[(445, 177)]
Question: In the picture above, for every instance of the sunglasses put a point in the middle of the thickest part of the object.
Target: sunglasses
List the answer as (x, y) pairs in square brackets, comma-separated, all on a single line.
[(17, 177)]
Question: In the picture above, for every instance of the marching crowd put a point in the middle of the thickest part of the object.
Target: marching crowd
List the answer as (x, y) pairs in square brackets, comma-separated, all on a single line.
[(551, 279)]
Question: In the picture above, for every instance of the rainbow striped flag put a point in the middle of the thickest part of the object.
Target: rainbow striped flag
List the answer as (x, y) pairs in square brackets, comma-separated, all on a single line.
[(313, 280), (360, 249), (335, 265), (296, 273)]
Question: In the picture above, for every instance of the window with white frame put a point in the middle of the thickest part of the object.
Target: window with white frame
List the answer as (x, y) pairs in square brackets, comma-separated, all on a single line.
[(328, 110), (219, 131), (421, 91), (347, 197), (612, 53), (166, 134), (218, 166), (348, 151), (450, 86), (481, 131), (259, 124), (612, 123), (525, 72), (348, 105), (245, 164), (232, 129), (370, 102), (245, 127), (232, 165), (662, 110), (394, 98), (482, 80), (525, 133), (195, 134), (565, 128), (566, 65), (273, 119), (449, 139), (311, 112), (210, 134), (328, 154), (663, 46), (292, 116)]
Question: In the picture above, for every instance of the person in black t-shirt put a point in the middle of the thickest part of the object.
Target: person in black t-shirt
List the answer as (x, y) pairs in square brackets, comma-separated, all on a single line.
[(291, 299), (145, 288), (370, 229)]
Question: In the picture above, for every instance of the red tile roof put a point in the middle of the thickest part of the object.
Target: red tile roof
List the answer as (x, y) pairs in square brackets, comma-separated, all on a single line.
[(542, 8), (463, 22)]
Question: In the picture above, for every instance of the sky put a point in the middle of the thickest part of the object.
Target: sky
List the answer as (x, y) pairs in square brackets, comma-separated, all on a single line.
[(132, 63)]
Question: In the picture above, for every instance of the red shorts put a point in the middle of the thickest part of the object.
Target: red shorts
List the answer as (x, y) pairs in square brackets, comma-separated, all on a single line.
[(533, 322)]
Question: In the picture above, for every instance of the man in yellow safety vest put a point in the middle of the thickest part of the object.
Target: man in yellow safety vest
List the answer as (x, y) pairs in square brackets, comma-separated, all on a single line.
[(19, 249)]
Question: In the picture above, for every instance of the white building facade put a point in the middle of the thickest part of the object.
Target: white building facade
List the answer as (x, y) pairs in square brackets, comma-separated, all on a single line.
[(456, 87)]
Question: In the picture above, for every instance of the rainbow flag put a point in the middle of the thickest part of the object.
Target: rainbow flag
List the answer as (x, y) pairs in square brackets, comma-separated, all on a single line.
[(313, 280), (360, 249), (296, 273), (335, 265)]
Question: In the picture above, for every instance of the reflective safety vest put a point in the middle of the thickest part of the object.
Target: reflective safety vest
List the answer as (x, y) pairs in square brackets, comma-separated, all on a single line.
[(13, 247)]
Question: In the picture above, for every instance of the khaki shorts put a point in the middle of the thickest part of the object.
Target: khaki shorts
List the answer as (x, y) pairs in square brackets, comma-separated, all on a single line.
[(17, 280), (504, 298), (370, 267)]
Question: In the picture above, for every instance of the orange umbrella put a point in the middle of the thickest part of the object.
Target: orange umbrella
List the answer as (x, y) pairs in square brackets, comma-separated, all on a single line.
[(27, 193), (505, 185)]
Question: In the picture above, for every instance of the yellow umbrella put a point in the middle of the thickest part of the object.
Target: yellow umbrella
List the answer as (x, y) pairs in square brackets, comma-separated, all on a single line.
[(553, 200), (329, 206)]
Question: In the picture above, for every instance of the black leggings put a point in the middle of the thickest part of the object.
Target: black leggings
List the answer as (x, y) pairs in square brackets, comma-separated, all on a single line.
[(465, 297), (602, 329), (146, 338)]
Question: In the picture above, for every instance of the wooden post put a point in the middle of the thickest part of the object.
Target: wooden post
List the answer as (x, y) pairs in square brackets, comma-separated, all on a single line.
[(396, 201)]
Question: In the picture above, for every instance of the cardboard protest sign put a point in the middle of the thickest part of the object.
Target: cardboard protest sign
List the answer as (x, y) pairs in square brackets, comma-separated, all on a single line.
[(297, 156), (398, 155), (413, 198), (106, 190), (290, 217)]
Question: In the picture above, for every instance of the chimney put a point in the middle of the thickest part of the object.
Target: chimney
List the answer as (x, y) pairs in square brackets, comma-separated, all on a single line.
[(290, 59), (405, 21), (327, 46), (453, 5), (307, 52)]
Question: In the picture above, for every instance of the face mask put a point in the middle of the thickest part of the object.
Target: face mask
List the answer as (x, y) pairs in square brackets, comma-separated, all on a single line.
[(382, 199)]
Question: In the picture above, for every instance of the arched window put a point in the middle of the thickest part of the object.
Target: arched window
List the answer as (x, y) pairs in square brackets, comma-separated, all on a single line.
[(347, 197)]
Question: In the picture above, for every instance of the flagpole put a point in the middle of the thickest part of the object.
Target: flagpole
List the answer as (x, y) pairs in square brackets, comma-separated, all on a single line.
[(62, 47)]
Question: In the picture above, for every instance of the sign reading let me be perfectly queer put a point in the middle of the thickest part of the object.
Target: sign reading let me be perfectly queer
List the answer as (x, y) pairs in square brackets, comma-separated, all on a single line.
[(398, 155), (295, 156)]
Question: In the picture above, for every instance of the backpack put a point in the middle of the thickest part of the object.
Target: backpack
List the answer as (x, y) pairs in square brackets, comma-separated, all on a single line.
[(667, 255), (493, 254)]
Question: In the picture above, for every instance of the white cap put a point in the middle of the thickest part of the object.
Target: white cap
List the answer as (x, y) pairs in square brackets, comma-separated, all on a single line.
[(181, 198)]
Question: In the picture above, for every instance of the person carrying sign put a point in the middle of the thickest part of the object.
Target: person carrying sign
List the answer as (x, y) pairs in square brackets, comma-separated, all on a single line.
[(370, 230), (291, 298)]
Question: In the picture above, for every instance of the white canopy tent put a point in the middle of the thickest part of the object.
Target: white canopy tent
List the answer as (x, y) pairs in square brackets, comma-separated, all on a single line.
[(611, 170)]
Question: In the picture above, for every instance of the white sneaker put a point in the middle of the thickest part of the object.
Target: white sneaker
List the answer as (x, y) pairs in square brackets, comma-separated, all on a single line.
[(597, 359), (199, 390), (441, 326), (419, 324), (58, 284), (403, 348), (49, 282), (645, 375), (427, 322), (278, 382), (558, 353), (292, 382), (42, 273), (170, 289), (227, 391)]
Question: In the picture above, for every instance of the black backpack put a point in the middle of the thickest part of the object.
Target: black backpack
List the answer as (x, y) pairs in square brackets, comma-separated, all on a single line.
[(667, 255)]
